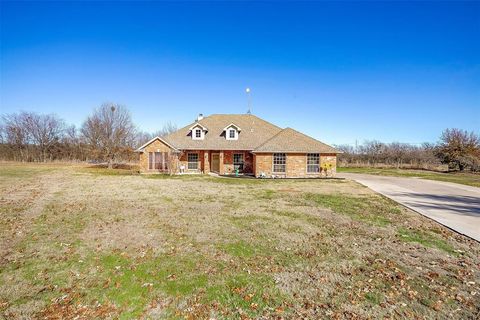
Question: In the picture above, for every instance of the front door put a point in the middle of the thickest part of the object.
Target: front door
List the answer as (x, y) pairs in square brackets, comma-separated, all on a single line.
[(215, 162)]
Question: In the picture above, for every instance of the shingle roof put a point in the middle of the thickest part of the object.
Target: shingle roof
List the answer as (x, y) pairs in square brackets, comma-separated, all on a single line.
[(254, 132), (289, 141), (257, 135)]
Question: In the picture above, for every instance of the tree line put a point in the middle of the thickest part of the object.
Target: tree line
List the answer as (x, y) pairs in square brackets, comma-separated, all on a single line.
[(456, 150), (108, 134)]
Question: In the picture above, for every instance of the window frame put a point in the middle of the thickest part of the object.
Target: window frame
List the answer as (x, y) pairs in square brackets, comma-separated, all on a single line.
[(198, 133), (316, 156), (240, 164), (279, 162), (232, 132), (189, 162)]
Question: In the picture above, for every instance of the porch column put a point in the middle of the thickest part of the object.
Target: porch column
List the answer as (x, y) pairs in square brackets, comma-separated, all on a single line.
[(221, 169), (206, 162)]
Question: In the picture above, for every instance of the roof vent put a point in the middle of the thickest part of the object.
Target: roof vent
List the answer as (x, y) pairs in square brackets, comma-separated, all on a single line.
[(200, 116)]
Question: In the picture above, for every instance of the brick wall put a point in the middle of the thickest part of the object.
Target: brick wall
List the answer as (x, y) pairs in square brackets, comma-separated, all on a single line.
[(201, 160), (228, 167), (155, 146), (263, 164), (296, 165), (328, 162)]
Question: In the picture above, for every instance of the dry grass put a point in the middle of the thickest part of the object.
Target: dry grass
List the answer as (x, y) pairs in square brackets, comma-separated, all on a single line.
[(77, 242)]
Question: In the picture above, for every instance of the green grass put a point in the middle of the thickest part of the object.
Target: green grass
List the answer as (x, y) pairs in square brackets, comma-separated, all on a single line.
[(427, 239), (465, 178), (108, 172), (372, 209)]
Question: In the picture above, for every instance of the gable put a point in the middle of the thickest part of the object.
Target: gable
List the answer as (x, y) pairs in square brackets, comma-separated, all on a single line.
[(154, 144)]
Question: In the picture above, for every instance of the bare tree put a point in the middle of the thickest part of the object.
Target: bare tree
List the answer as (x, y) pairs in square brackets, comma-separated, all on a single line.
[(459, 149), (142, 136), (109, 131), (16, 134), (166, 129), (45, 131)]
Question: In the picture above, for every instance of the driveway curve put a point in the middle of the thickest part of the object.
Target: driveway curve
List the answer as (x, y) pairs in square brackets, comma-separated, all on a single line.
[(453, 205)]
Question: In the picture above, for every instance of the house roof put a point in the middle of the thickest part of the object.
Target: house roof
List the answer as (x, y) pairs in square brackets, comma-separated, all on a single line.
[(254, 132), (257, 135), (140, 149), (289, 140)]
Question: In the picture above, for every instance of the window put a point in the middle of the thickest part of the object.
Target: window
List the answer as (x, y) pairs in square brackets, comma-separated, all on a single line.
[(279, 162), (313, 163), (161, 161), (231, 133), (238, 161), (158, 160), (198, 133), (150, 160), (192, 161)]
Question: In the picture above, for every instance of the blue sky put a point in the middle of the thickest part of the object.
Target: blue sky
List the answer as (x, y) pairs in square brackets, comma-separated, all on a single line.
[(340, 72)]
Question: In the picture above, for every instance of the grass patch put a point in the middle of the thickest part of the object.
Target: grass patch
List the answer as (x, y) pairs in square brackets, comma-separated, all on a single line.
[(250, 293), (426, 239), (24, 170), (371, 209), (373, 297), (97, 171), (267, 194), (242, 249)]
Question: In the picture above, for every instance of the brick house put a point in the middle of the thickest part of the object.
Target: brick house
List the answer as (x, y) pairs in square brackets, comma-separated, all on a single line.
[(238, 143)]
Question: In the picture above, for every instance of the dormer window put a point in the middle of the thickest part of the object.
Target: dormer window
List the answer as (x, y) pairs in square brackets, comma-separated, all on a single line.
[(231, 132), (198, 131)]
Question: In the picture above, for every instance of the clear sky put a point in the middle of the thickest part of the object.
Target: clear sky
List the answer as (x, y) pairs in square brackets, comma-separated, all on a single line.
[(392, 71)]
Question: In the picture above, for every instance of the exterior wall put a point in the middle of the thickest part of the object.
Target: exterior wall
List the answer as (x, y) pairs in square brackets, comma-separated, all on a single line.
[(155, 146), (296, 163), (263, 164), (206, 161), (328, 163), (201, 160), (228, 167), (296, 166)]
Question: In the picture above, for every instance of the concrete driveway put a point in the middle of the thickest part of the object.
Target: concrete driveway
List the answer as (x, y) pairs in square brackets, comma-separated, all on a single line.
[(453, 205)]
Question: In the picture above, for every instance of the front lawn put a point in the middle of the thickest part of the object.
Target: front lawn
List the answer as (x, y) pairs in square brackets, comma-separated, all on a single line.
[(76, 242)]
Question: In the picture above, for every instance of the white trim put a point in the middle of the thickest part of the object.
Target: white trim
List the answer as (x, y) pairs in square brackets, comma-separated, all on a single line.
[(199, 162), (306, 163), (232, 125), (273, 164), (197, 124), (193, 132), (153, 139), (235, 134)]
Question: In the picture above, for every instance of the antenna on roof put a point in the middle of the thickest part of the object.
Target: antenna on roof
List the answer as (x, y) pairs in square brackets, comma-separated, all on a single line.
[(249, 101)]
